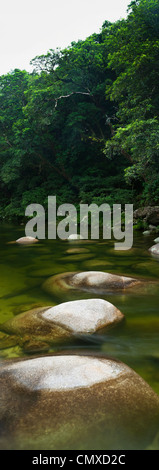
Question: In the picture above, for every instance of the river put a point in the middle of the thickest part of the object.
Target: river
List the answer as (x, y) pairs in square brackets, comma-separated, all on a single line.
[(25, 268)]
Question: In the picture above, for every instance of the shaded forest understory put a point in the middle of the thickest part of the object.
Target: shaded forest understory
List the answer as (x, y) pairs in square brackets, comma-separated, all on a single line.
[(84, 125)]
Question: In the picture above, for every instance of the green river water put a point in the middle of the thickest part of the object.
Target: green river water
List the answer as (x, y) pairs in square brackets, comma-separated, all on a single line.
[(23, 269)]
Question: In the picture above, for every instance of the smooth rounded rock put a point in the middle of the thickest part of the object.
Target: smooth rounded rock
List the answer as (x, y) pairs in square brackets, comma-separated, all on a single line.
[(90, 281), (26, 240), (152, 227), (63, 321), (147, 232), (84, 316), (156, 240), (154, 249), (75, 236), (75, 402), (94, 279)]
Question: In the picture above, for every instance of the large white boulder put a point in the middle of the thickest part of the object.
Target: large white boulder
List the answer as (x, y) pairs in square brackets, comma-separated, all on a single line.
[(62, 322), (75, 402), (84, 316)]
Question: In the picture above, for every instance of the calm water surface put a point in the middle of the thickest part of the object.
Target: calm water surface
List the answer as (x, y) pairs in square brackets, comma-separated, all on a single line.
[(23, 269)]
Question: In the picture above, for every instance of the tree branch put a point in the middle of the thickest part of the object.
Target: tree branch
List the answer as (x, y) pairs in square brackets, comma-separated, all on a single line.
[(72, 93)]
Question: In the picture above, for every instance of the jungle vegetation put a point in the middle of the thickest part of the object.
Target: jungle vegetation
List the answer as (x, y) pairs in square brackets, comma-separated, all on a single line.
[(84, 124)]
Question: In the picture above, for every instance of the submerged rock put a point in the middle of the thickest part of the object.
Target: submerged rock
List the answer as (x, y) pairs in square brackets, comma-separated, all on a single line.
[(26, 240), (89, 281), (75, 402), (76, 251), (62, 322), (155, 444)]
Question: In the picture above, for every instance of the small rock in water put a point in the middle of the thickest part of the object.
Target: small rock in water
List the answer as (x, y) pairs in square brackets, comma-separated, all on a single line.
[(152, 227), (154, 249), (26, 240), (147, 232), (156, 240), (75, 236), (89, 281), (75, 402), (97, 279)]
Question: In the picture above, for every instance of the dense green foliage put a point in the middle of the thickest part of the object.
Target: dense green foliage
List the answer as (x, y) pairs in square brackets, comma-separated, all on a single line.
[(84, 125)]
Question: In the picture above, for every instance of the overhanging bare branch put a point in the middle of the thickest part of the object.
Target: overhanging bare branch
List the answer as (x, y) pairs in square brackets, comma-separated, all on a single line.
[(70, 94)]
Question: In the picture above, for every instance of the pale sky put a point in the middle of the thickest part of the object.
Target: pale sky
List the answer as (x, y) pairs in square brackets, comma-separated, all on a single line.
[(33, 27)]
